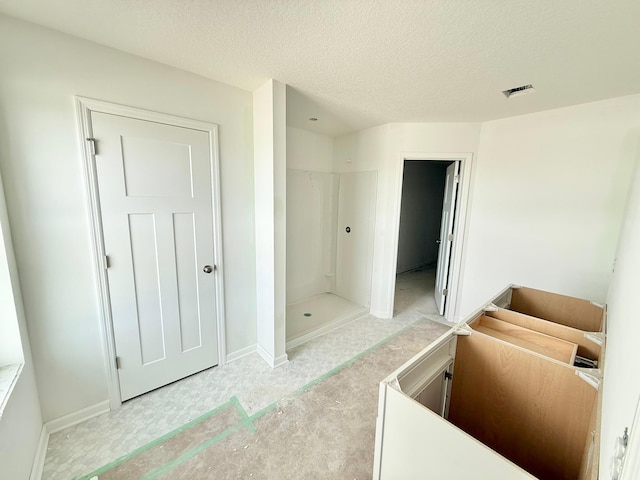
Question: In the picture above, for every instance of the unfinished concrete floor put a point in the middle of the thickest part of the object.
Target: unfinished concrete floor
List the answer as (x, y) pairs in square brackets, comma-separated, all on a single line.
[(313, 418), (325, 430)]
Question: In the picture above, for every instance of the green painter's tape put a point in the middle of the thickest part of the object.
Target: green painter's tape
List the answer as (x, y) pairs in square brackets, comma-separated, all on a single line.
[(342, 366), (247, 421), (193, 452), (232, 402)]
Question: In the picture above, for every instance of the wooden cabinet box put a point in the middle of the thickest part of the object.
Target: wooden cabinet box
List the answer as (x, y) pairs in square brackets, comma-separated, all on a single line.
[(513, 392)]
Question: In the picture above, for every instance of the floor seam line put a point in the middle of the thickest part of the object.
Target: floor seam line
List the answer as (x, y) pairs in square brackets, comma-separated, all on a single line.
[(192, 452), (246, 420), (156, 441), (244, 417), (209, 443)]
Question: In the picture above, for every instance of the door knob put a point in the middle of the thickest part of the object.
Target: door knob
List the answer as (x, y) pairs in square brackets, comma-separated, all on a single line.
[(348, 229), (438, 241), (207, 269)]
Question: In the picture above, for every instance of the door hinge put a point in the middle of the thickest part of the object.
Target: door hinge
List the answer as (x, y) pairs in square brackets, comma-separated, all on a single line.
[(118, 363), (448, 375), (445, 292), (450, 237), (107, 263), (456, 178), (92, 142)]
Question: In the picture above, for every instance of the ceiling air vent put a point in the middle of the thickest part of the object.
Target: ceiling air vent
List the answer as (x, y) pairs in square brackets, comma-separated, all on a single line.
[(514, 92)]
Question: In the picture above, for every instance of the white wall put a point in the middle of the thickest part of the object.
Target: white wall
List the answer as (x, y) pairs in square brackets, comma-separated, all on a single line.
[(309, 150), (383, 149), (269, 126), (421, 213), (548, 198), (20, 427), (622, 381), (42, 168), (21, 420)]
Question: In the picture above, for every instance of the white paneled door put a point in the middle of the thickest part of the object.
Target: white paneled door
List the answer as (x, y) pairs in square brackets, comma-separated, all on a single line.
[(446, 235), (155, 193)]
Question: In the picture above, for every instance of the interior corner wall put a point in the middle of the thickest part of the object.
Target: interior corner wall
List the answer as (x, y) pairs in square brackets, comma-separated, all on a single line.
[(269, 123), (309, 151), (42, 168), (420, 214), (311, 214), (622, 384), (20, 427), (548, 199), (383, 149), (21, 420)]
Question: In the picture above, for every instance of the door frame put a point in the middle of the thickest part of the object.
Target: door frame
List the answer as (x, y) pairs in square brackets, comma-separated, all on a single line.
[(84, 108), (459, 226)]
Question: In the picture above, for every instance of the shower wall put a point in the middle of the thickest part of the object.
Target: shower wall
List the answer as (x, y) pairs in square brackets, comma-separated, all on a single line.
[(354, 249), (311, 233), (322, 256)]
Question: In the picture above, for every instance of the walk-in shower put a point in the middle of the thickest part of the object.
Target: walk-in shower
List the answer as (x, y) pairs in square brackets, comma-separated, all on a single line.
[(330, 221)]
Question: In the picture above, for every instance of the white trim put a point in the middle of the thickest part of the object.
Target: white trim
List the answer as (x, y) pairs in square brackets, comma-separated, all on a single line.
[(377, 450), (74, 418), (381, 314), (14, 372), (84, 107), (216, 198), (274, 362), (281, 360), (41, 454), (460, 226), (266, 356), (243, 352), (631, 464)]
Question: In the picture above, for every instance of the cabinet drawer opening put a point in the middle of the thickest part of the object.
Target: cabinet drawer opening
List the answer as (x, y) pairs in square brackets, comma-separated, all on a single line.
[(561, 309), (589, 345), (541, 343)]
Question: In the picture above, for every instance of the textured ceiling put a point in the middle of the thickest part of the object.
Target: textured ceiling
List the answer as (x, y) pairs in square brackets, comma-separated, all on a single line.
[(359, 63)]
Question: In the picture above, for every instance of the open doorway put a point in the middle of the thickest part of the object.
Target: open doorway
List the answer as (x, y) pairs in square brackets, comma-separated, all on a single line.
[(426, 234)]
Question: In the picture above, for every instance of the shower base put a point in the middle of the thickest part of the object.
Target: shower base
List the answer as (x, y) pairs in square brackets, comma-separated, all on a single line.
[(325, 312)]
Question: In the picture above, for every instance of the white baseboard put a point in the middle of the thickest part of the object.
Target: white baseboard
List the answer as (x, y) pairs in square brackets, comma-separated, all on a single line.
[(281, 360), (273, 362), (243, 352), (381, 314), (57, 425), (40, 456), (74, 418), (266, 356)]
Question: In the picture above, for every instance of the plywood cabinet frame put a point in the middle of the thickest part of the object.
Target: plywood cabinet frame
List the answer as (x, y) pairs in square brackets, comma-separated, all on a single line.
[(581, 443), (589, 343), (532, 340)]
